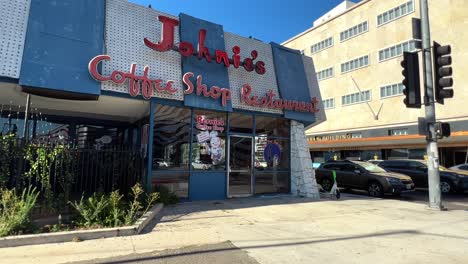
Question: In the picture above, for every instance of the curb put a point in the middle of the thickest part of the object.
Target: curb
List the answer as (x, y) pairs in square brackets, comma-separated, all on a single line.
[(68, 236)]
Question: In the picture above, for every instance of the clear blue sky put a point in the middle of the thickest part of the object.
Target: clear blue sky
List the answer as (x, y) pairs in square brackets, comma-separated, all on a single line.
[(267, 20)]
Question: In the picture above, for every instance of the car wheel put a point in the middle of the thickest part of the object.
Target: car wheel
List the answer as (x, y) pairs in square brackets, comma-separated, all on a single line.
[(375, 189), (445, 186), (326, 184)]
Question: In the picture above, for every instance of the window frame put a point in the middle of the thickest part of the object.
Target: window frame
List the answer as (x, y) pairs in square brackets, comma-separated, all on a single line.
[(356, 63), (385, 54), (386, 13), (321, 45), (399, 87), (359, 96), (328, 100)]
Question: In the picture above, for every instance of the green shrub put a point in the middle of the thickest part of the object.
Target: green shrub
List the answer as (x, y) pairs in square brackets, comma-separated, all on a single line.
[(91, 210), (135, 205), (166, 196), (15, 211), (111, 211), (115, 211)]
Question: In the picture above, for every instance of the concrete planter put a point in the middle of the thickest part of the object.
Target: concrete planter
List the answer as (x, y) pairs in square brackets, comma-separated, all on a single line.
[(68, 236)]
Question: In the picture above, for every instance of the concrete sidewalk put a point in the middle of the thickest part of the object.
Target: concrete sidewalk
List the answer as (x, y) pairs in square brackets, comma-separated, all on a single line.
[(287, 230)]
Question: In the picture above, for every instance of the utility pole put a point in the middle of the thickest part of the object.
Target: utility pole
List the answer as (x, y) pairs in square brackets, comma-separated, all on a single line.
[(435, 201)]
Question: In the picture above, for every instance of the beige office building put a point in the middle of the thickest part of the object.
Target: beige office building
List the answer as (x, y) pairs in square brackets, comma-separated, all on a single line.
[(357, 50)]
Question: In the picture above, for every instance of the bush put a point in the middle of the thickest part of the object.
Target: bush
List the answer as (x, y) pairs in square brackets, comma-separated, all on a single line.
[(91, 210), (166, 196), (15, 211), (111, 211)]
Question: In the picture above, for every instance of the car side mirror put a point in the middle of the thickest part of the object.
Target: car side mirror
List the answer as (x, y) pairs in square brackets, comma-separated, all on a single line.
[(357, 171)]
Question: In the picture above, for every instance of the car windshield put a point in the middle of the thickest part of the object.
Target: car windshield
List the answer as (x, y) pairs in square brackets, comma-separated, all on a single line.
[(441, 168), (370, 167)]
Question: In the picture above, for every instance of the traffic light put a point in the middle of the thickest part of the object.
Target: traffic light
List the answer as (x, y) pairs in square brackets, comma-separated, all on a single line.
[(442, 129), (412, 90), (442, 79)]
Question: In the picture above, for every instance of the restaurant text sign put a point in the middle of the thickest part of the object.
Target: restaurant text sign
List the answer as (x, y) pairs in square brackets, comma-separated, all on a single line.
[(146, 86), (186, 49)]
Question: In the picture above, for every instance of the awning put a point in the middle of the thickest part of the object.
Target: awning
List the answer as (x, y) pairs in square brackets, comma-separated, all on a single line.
[(457, 139)]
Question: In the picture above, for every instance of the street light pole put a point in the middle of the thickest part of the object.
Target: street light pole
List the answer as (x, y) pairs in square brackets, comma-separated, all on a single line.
[(435, 201)]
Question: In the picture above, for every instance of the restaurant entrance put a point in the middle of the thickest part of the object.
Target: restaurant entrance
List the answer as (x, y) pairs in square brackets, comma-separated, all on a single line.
[(240, 166)]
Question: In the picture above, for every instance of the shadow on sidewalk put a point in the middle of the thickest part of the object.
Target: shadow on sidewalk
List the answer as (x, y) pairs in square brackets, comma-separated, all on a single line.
[(160, 256)]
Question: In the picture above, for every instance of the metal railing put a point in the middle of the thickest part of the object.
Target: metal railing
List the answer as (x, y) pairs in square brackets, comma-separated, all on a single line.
[(69, 169)]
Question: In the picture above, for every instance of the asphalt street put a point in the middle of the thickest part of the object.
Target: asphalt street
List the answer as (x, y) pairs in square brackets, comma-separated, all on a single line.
[(221, 253), (453, 201)]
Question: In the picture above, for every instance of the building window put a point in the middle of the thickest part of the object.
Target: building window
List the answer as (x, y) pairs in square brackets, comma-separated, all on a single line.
[(322, 45), (398, 132), (356, 98), (171, 148), (171, 142), (395, 13), (354, 31), (325, 74), (391, 90), (355, 64), (328, 103), (355, 135), (397, 50), (272, 155)]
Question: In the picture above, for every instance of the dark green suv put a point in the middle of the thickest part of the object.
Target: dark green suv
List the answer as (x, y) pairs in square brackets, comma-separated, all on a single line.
[(363, 176)]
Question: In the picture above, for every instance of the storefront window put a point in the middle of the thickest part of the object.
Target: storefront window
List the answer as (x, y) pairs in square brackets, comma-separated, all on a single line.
[(271, 182), (417, 153), (171, 146), (371, 154), (209, 140), (397, 154), (240, 123), (271, 154), (268, 126)]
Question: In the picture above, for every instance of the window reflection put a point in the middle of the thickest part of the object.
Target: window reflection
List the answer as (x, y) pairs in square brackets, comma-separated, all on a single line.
[(240, 123), (269, 126), (171, 146)]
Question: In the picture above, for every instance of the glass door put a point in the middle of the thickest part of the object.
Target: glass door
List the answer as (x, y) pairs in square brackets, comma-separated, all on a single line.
[(240, 166)]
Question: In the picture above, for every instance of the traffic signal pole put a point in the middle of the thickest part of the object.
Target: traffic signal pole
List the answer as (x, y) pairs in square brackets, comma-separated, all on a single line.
[(435, 201)]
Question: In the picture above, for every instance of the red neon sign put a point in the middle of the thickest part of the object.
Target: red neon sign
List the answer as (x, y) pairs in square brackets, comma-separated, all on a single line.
[(214, 92), (186, 49), (146, 86), (269, 101), (136, 83)]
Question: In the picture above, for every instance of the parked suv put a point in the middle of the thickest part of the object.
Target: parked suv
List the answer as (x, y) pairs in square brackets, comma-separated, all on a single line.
[(450, 180), (363, 176)]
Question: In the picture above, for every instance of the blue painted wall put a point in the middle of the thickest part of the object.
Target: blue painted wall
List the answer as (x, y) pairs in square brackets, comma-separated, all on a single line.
[(207, 186), (62, 37), (292, 80), (213, 73)]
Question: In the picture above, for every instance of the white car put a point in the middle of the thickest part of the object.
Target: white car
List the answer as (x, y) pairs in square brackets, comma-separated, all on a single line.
[(200, 166), (160, 163), (374, 161), (460, 167)]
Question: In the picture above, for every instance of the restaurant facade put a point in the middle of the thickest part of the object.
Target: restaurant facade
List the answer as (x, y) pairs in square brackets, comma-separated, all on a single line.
[(213, 114)]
